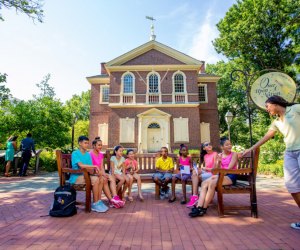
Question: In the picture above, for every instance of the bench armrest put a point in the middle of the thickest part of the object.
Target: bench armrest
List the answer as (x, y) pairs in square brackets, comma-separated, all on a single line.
[(85, 172)]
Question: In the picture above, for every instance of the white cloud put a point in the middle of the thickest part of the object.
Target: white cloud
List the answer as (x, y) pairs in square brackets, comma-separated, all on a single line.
[(202, 47)]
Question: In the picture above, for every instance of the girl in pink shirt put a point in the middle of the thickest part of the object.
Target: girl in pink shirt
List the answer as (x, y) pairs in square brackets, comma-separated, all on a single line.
[(208, 160), (226, 160), (131, 172), (109, 190), (184, 161)]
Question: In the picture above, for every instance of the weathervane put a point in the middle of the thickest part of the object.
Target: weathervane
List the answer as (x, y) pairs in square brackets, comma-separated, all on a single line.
[(152, 35)]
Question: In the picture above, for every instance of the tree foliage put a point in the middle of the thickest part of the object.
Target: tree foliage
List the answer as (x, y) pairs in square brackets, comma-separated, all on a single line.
[(45, 89), (32, 8), (4, 92), (255, 35), (261, 33), (80, 105)]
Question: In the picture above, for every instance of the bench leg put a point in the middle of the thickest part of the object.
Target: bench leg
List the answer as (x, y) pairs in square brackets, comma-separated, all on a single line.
[(220, 204), (88, 200), (253, 202), (156, 192)]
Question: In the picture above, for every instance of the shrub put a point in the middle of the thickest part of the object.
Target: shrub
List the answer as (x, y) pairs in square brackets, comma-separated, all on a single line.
[(271, 168), (48, 160)]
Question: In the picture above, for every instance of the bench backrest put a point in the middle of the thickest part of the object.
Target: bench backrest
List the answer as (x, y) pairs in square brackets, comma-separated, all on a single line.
[(246, 162)]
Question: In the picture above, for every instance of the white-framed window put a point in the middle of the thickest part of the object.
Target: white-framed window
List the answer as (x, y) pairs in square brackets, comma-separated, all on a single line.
[(202, 92), (181, 129), (127, 130), (104, 94), (103, 132), (179, 82), (179, 87), (153, 88), (153, 82), (127, 94), (128, 83)]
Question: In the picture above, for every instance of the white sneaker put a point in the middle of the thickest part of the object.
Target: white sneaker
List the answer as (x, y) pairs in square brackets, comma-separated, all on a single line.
[(296, 225)]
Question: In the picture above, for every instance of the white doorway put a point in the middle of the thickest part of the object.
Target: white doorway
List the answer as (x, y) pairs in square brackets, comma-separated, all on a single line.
[(154, 137)]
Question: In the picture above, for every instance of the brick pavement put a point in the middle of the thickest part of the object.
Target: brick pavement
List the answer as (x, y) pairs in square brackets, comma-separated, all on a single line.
[(149, 225)]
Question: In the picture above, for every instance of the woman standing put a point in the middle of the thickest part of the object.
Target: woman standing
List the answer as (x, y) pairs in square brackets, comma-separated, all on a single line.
[(287, 123), (11, 147)]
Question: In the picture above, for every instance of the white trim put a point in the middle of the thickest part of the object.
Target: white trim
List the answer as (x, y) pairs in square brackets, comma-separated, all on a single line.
[(101, 93), (145, 105)]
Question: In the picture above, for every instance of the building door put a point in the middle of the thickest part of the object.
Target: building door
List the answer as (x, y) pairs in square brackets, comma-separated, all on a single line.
[(154, 137)]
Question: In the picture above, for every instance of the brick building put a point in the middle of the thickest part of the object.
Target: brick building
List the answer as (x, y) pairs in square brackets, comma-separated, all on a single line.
[(154, 96)]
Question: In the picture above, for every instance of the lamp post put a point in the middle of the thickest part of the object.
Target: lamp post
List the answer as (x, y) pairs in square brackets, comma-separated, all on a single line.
[(73, 129), (228, 119)]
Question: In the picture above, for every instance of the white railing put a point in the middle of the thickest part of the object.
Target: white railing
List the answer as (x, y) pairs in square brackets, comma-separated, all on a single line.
[(128, 99), (153, 98), (179, 98)]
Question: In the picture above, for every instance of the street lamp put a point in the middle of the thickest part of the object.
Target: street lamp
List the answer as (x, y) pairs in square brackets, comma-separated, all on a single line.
[(73, 128), (228, 119)]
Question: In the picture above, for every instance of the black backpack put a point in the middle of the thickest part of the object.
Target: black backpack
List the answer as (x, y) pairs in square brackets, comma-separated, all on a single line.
[(64, 204)]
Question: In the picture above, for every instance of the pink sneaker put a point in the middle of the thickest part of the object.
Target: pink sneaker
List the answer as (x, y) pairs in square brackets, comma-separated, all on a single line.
[(118, 201), (193, 201), (115, 203)]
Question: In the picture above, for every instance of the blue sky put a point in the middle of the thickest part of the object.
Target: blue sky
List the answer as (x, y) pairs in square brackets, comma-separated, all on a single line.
[(77, 36)]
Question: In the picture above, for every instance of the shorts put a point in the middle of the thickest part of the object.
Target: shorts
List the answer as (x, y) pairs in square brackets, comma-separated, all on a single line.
[(80, 179), (183, 177), (162, 176), (205, 175), (232, 177), (292, 171)]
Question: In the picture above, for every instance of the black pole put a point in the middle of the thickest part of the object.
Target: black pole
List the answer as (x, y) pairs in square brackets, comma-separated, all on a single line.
[(247, 82), (72, 136)]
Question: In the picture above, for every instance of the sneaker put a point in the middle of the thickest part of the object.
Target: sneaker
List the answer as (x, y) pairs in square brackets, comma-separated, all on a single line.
[(117, 202), (95, 208), (101, 207), (296, 225), (167, 193), (193, 201), (198, 212), (162, 194)]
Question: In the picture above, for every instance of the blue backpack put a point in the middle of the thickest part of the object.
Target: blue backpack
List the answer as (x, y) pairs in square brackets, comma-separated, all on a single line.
[(64, 204)]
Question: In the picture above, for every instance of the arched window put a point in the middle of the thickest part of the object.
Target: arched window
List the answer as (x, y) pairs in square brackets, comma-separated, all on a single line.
[(127, 94), (153, 83), (154, 125), (179, 88), (128, 84), (178, 83)]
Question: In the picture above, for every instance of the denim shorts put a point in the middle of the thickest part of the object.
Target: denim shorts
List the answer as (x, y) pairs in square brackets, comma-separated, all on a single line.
[(205, 175), (292, 171), (162, 176), (232, 177), (183, 177)]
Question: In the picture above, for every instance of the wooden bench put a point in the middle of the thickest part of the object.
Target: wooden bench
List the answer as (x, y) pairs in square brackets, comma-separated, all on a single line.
[(246, 184), (146, 163)]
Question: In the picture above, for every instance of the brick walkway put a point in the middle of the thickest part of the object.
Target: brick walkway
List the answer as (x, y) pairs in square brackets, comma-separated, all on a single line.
[(149, 225)]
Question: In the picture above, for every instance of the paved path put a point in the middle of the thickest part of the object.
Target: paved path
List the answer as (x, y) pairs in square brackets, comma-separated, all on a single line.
[(143, 225)]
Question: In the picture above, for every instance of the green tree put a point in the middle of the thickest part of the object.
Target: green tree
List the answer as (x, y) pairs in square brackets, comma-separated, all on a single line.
[(262, 33), (80, 105), (45, 89), (32, 8), (4, 92)]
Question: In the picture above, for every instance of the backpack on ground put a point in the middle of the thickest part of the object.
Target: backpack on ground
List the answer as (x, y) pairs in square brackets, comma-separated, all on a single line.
[(64, 204)]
